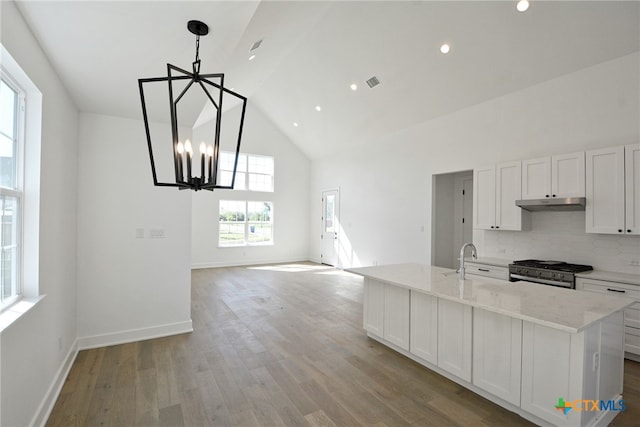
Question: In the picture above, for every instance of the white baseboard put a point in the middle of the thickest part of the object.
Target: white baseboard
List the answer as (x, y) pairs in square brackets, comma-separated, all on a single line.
[(46, 406), (213, 264), (133, 335)]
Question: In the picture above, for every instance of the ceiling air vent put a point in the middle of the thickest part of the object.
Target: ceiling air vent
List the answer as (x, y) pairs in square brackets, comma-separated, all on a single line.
[(256, 45), (373, 82)]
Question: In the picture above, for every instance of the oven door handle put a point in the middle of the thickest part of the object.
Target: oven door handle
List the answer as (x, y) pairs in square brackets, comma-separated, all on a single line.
[(544, 281)]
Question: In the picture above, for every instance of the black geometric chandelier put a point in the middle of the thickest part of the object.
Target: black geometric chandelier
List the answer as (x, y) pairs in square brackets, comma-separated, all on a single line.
[(203, 175)]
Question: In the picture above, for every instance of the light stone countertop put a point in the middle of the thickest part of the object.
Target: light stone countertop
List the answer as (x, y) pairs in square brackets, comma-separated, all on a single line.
[(611, 276), (564, 309)]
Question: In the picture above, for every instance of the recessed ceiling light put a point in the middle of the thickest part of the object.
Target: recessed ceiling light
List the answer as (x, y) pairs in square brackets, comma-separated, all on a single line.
[(354, 86), (318, 108), (522, 5), (251, 57), (445, 48), (295, 124)]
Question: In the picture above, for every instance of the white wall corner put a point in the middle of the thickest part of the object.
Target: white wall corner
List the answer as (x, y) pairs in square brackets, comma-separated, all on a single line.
[(48, 402)]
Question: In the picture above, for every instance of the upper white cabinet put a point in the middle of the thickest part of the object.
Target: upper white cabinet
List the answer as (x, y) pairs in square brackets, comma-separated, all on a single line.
[(632, 188), (613, 190), (495, 191), (556, 176)]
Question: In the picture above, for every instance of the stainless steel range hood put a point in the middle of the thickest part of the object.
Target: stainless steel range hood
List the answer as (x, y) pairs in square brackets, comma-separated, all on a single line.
[(553, 204)]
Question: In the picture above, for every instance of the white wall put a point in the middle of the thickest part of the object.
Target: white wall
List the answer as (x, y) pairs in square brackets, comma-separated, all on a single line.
[(38, 347), (290, 203), (386, 186), (129, 288)]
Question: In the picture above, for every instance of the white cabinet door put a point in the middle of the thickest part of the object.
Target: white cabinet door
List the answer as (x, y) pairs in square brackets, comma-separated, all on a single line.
[(546, 359), (605, 210), (568, 175), (632, 188), (536, 178), (424, 327), (374, 307), (454, 338), (508, 190), (484, 201), (497, 352), (396, 316)]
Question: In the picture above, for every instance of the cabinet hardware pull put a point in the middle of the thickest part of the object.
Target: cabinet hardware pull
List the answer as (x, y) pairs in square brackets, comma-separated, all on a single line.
[(492, 226), (546, 195), (483, 269), (553, 195), (619, 230), (621, 291), (628, 231)]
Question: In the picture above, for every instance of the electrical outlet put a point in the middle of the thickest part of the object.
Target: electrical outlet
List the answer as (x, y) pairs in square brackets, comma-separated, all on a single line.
[(157, 233), (139, 233), (635, 262)]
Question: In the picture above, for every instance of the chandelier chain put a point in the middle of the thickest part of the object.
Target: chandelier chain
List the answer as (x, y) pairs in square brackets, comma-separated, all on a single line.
[(197, 48)]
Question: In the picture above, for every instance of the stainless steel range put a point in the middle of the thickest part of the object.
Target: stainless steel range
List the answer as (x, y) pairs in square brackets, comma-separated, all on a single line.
[(555, 273)]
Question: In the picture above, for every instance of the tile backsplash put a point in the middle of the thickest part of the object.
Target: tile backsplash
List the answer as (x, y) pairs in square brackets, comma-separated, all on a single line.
[(560, 236)]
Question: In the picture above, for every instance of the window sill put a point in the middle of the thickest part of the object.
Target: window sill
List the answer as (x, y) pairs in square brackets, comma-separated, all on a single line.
[(255, 245), (17, 310)]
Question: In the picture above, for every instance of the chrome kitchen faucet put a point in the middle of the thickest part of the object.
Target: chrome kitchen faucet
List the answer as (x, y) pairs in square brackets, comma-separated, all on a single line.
[(474, 254)]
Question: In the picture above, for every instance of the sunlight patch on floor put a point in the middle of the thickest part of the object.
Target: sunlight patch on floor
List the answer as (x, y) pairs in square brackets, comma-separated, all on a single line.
[(292, 268)]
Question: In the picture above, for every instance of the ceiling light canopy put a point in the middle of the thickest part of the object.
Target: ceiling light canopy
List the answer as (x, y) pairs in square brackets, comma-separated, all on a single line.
[(199, 100)]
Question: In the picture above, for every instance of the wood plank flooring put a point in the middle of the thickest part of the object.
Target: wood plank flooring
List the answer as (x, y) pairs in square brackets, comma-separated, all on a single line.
[(275, 345)]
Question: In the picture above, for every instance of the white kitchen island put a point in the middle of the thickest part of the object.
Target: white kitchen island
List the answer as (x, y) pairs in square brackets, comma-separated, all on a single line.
[(522, 345)]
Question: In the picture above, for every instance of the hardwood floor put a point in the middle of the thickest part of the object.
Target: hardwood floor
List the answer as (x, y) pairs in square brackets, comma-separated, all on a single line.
[(278, 345)]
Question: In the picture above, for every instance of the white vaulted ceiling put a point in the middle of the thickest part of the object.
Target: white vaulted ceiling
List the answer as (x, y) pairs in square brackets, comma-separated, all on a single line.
[(312, 52)]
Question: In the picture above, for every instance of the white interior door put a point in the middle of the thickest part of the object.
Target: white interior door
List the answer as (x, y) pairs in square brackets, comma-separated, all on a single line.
[(330, 227)]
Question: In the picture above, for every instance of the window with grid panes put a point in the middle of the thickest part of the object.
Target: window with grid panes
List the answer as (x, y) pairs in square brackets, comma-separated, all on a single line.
[(254, 172), (245, 223), (11, 134)]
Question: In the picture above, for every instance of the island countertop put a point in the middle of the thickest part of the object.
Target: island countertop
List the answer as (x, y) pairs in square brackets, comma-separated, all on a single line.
[(565, 309)]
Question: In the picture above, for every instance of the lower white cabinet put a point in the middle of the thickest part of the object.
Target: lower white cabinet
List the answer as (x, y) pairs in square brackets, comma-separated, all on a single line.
[(424, 327), (454, 338), (374, 307), (396, 316), (485, 270), (631, 314), (497, 352), (575, 367), (386, 312)]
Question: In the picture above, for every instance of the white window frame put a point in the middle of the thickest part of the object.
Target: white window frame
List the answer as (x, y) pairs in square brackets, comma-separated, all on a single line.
[(246, 225), (248, 173), (17, 192)]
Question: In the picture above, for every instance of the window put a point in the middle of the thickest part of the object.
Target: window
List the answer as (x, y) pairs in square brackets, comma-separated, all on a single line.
[(11, 120), (254, 173), (245, 223)]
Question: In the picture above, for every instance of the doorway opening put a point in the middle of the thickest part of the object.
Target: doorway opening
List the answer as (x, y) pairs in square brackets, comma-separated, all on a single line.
[(330, 235), (452, 223)]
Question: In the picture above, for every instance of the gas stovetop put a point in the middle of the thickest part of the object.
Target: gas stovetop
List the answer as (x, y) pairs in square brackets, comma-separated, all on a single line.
[(553, 265), (555, 273)]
